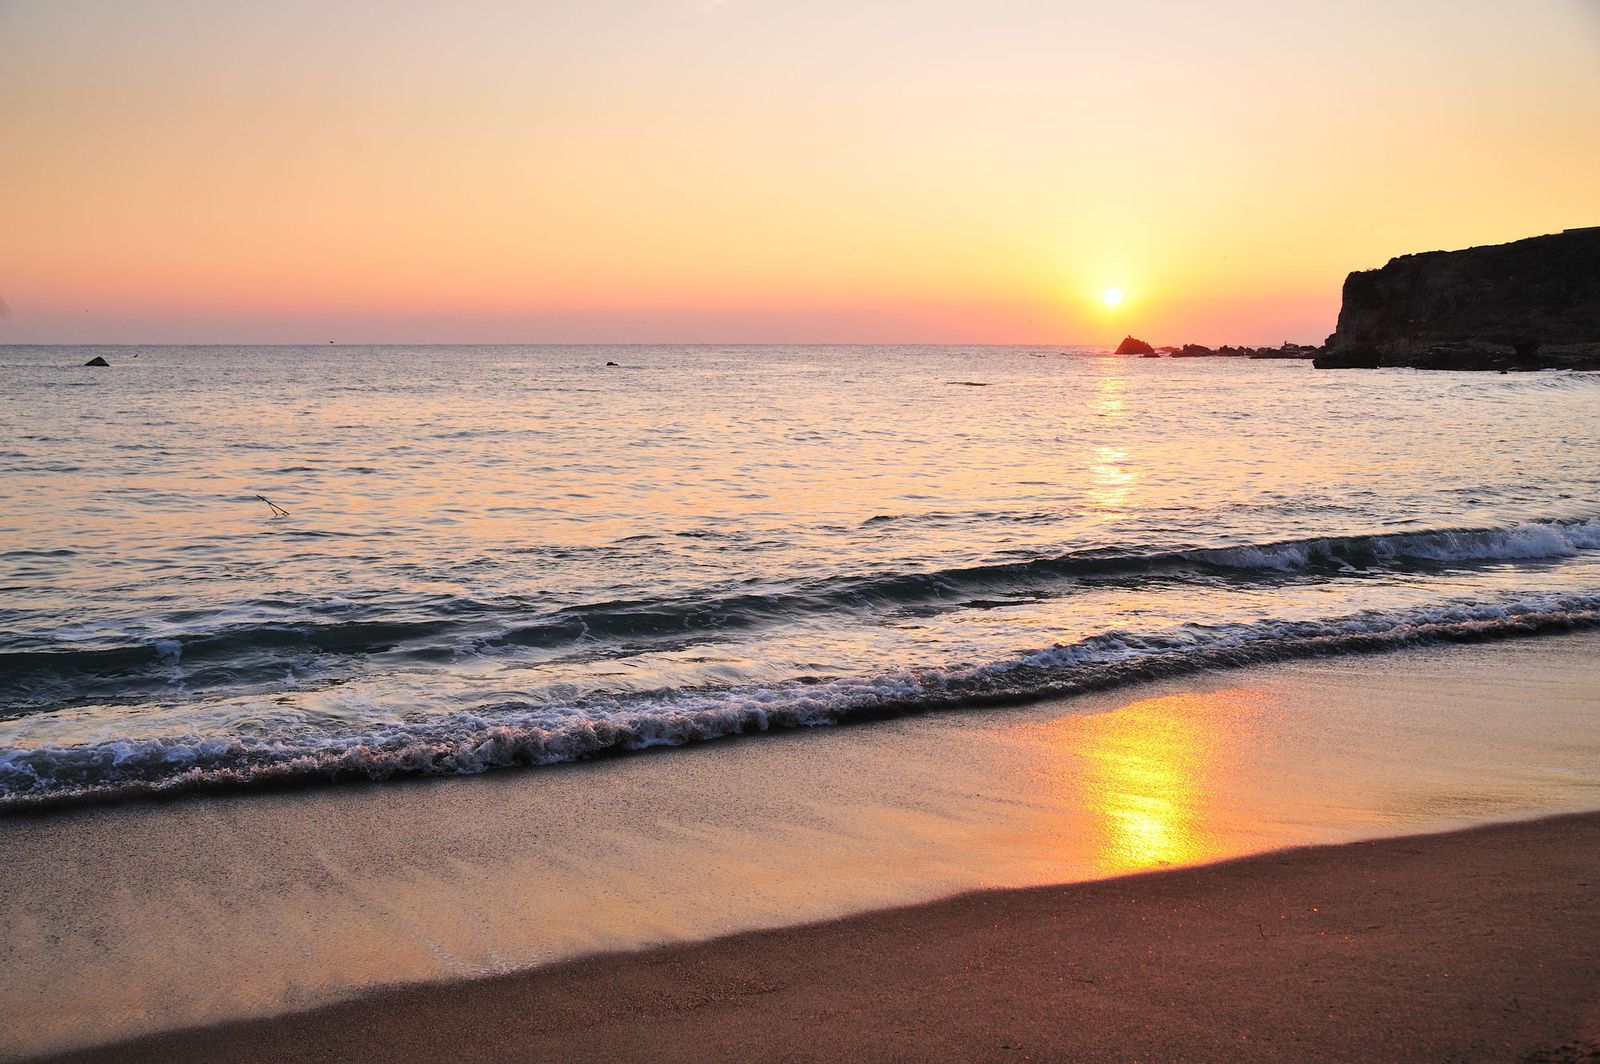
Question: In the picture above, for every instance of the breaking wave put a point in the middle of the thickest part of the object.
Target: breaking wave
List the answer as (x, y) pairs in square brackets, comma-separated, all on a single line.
[(526, 734), (434, 631)]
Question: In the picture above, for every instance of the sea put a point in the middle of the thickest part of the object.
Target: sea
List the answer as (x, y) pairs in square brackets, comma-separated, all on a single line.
[(235, 568)]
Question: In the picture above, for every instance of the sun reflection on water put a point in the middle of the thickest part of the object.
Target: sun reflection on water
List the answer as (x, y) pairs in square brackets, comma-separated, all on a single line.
[(1110, 384), (1111, 477)]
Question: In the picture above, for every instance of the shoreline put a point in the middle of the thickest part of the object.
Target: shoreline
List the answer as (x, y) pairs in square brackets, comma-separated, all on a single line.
[(145, 918), (1476, 944), (523, 751)]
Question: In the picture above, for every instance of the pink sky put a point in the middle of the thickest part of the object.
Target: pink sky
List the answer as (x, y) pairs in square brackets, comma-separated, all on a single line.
[(765, 171)]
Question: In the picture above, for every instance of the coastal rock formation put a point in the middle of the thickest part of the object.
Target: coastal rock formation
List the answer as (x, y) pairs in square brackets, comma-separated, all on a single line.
[(1288, 350), (97, 361), (1134, 346), (1530, 304)]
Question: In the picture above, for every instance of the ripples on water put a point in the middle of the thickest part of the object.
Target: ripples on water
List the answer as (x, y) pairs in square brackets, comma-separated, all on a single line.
[(506, 555)]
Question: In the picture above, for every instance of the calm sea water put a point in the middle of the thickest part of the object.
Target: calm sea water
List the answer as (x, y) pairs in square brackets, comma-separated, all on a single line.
[(499, 556)]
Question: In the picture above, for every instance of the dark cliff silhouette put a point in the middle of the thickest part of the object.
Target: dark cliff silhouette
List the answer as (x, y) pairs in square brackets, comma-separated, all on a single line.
[(1530, 304)]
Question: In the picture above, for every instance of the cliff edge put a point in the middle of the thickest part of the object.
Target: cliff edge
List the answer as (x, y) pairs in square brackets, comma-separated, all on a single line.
[(1530, 304)]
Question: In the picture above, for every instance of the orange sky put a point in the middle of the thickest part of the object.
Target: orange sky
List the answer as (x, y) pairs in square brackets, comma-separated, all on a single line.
[(766, 170)]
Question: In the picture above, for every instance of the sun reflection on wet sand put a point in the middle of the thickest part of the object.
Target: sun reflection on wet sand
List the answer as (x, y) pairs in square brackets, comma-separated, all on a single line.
[(1150, 764), (1146, 777)]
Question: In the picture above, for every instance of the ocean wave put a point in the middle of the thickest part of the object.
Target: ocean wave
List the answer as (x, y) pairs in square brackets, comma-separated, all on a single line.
[(524, 734), (1529, 541), (54, 672), (1562, 379), (1387, 551)]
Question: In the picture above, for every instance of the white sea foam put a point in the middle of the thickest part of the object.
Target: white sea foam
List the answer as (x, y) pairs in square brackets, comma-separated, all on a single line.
[(514, 734), (1528, 540)]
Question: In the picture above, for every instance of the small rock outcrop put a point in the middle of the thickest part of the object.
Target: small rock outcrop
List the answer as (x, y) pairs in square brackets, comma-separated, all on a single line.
[(1130, 346), (97, 361), (1288, 350), (1530, 304)]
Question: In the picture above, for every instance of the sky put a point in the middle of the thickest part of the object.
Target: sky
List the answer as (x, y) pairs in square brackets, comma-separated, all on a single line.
[(766, 171)]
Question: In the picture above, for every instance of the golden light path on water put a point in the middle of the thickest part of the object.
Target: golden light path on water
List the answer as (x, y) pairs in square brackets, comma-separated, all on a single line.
[(1112, 476)]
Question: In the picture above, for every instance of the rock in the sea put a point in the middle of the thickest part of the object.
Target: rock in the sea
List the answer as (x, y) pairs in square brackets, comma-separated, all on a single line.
[(1288, 350), (1130, 346), (97, 361), (1530, 304), (1365, 357), (1194, 351)]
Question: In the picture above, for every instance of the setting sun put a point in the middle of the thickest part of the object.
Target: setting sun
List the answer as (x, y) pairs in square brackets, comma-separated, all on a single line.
[(1111, 297)]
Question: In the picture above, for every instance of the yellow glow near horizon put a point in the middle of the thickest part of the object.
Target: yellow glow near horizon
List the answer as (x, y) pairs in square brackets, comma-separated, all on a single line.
[(644, 171), (1111, 297)]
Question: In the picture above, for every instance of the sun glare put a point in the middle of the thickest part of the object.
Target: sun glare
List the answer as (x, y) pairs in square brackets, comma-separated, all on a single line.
[(1111, 297)]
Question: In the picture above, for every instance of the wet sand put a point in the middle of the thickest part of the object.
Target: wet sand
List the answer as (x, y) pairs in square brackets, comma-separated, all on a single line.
[(1481, 945), (128, 920)]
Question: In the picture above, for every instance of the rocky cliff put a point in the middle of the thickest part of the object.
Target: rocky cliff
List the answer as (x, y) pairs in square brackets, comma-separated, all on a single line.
[(1529, 304)]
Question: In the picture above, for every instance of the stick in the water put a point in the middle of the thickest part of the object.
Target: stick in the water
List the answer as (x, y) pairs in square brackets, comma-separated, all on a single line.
[(277, 511)]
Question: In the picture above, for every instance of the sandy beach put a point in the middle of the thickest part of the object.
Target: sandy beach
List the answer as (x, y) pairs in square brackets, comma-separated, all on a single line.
[(142, 918), (1481, 945)]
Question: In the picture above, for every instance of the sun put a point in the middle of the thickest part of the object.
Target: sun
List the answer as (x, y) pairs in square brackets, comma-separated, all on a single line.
[(1111, 297)]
